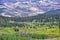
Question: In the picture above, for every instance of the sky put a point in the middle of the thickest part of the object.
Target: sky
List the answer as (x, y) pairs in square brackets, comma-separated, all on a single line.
[(40, 3), (25, 0), (20, 0), (1, 1)]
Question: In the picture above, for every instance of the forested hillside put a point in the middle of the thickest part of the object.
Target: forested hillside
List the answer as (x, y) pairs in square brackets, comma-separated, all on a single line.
[(51, 16)]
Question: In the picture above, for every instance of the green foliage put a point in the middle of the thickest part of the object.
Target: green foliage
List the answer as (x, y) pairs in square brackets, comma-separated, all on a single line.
[(39, 36), (12, 37), (19, 21), (25, 33)]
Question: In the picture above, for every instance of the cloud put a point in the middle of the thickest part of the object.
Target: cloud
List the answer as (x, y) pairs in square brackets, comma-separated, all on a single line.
[(33, 9), (9, 5), (1, 6), (36, 10), (4, 14)]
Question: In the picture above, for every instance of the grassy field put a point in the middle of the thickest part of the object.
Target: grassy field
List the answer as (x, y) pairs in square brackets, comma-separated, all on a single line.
[(24, 33)]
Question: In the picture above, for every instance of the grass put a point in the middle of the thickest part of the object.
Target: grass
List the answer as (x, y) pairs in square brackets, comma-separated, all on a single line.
[(24, 33)]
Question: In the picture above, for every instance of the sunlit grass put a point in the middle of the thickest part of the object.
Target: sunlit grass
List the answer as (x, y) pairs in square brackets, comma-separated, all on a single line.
[(34, 33)]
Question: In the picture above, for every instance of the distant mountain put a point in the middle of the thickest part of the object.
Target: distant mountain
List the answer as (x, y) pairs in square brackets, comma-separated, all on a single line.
[(25, 8), (19, 9), (53, 12), (50, 16)]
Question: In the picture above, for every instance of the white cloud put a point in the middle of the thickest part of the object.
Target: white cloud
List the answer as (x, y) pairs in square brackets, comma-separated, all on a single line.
[(34, 9), (1, 6), (4, 14), (17, 3), (10, 5)]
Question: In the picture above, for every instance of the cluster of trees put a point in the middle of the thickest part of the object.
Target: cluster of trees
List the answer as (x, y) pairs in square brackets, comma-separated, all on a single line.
[(5, 21), (47, 17)]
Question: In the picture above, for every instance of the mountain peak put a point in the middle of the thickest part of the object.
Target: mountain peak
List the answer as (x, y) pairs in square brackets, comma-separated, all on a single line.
[(28, 7)]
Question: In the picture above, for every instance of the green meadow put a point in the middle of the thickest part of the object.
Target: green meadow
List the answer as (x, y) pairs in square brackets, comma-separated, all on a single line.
[(29, 33)]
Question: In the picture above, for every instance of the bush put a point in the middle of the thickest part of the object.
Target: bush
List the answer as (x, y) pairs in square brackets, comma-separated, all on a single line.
[(39, 36)]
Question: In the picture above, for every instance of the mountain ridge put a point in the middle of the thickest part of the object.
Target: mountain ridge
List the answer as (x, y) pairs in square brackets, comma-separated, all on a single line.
[(27, 8)]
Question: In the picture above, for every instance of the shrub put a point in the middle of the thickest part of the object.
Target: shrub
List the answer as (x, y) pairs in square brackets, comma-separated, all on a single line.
[(39, 36)]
